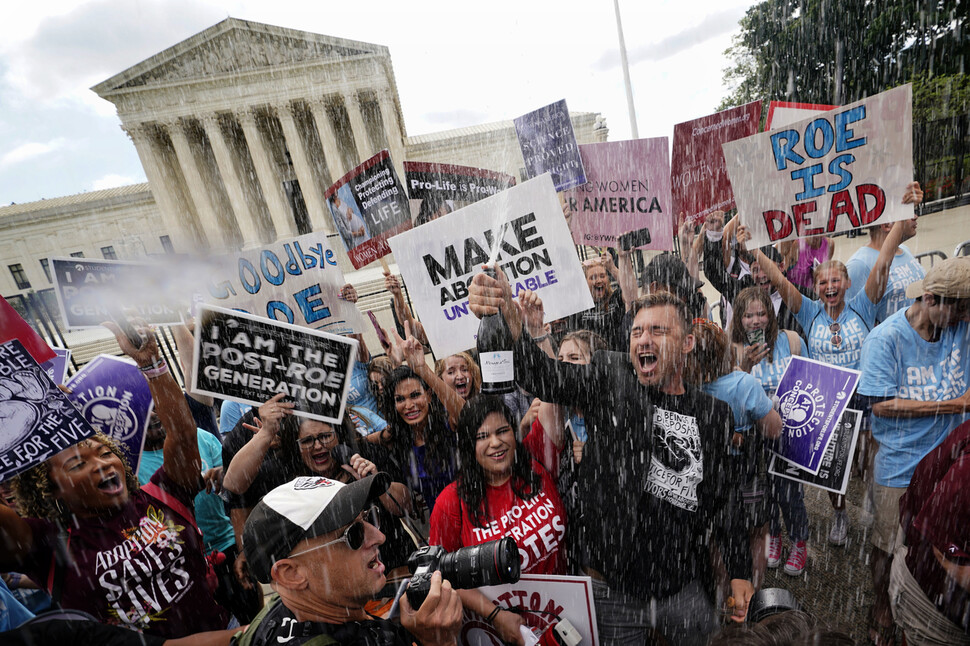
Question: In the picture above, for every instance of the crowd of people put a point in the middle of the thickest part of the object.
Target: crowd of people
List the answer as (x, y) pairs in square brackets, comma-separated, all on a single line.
[(633, 452)]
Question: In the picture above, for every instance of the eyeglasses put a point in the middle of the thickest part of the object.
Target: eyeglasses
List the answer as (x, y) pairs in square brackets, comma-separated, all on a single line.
[(323, 438), (353, 536), (836, 339)]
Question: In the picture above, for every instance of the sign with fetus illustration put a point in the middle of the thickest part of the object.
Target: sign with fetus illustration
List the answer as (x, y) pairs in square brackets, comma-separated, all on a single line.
[(811, 397), (37, 420)]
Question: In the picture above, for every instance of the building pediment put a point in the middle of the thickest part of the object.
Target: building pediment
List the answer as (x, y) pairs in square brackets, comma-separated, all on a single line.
[(234, 47)]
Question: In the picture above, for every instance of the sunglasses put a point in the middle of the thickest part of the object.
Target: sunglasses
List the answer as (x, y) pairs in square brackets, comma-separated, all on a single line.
[(324, 439), (353, 536), (836, 339)]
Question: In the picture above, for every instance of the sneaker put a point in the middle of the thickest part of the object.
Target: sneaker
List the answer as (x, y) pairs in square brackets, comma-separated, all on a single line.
[(774, 551), (839, 533), (797, 558)]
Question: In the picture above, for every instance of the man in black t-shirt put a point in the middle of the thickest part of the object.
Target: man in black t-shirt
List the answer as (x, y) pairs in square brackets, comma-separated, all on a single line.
[(315, 541)]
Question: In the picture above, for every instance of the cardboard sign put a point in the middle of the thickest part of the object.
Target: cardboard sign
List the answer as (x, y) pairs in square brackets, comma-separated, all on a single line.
[(439, 259), (699, 181), (548, 145), (56, 368), (841, 170), (250, 359), (836, 467), (368, 206), (784, 113), (295, 281), (439, 189), (115, 399), (90, 292), (627, 188), (569, 597), (13, 326), (37, 420), (812, 396)]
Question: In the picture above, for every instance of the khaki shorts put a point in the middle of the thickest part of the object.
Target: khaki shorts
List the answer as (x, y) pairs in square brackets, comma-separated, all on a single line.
[(886, 525)]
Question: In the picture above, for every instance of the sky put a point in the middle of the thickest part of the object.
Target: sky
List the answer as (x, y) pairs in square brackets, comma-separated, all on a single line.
[(456, 64)]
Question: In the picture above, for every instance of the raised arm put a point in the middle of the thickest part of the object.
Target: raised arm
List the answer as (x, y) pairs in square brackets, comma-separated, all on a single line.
[(414, 354), (879, 276), (185, 345), (626, 277), (789, 293), (181, 449), (685, 235), (245, 464)]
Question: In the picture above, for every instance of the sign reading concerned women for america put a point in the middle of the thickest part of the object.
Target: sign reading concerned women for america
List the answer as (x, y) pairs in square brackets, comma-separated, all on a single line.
[(840, 170), (535, 250), (249, 359), (627, 188)]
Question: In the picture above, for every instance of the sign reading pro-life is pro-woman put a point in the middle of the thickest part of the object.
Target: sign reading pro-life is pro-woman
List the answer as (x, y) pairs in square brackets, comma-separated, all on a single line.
[(535, 250), (812, 397)]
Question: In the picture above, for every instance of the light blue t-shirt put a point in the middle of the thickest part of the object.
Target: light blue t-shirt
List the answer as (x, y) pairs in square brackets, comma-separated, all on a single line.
[(770, 370), (363, 402), (210, 513), (855, 321), (898, 363), (905, 269), (744, 394), (230, 414), (12, 612)]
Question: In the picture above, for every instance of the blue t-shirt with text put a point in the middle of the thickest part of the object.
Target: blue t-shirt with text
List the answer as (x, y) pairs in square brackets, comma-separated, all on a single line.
[(857, 318), (771, 369), (898, 363), (905, 269)]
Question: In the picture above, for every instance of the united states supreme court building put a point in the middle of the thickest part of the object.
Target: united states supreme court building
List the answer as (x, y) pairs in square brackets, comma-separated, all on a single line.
[(240, 130)]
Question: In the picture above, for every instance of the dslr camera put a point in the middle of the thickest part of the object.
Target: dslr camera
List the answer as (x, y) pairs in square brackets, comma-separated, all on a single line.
[(490, 563)]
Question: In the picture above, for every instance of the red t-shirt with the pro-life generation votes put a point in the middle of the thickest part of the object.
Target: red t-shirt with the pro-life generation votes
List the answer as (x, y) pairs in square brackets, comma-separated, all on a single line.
[(538, 525)]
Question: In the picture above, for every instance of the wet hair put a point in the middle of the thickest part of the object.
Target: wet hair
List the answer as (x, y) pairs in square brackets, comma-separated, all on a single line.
[(35, 488), (744, 298), (429, 209), (289, 434), (474, 371), (400, 437), (662, 298), (824, 636), (382, 366), (471, 477), (592, 341), (741, 635), (829, 264), (711, 357)]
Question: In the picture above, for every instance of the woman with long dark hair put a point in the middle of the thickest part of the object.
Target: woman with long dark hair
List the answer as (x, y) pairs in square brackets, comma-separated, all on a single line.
[(500, 491)]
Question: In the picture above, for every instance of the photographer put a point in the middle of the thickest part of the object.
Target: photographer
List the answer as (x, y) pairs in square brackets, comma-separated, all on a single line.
[(314, 540)]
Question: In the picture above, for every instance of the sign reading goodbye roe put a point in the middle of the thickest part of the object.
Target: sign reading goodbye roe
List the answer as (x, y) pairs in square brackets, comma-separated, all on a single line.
[(836, 171)]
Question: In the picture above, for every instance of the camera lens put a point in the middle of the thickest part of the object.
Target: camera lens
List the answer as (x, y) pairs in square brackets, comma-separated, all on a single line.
[(490, 563)]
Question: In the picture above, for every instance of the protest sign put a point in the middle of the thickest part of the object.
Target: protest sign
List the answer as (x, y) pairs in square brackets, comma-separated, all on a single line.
[(56, 368), (541, 597), (13, 326), (296, 281), (699, 181), (548, 145), (841, 170), (37, 420), (368, 206), (439, 189), (836, 467), (90, 292), (438, 260), (784, 113), (113, 396), (627, 188), (250, 359), (812, 396)]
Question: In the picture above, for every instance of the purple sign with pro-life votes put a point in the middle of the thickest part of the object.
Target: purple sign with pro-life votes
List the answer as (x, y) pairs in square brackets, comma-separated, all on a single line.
[(811, 398), (113, 396)]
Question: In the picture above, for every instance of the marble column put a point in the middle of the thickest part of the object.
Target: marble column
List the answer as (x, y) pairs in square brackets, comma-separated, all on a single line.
[(357, 127), (180, 231), (392, 129), (232, 180), (196, 184), (331, 151), (269, 181), (319, 214)]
